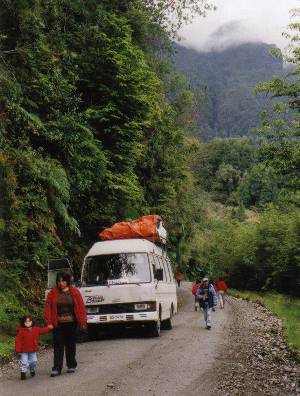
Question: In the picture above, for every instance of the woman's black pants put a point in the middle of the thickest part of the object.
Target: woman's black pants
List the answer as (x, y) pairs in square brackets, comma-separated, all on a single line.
[(64, 338)]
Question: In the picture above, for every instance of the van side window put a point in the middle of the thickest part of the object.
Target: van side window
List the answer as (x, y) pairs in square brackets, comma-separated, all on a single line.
[(155, 264), (166, 272), (153, 269), (170, 270)]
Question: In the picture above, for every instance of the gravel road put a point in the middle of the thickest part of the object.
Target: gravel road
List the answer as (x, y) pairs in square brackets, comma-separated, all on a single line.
[(180, 362)]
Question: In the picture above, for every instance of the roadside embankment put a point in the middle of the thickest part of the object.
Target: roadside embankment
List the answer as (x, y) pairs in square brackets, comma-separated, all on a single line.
[(284, 307), (256, 359)]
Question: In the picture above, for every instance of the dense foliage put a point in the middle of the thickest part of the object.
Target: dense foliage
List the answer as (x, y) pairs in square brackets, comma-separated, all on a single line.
[(94, 128)]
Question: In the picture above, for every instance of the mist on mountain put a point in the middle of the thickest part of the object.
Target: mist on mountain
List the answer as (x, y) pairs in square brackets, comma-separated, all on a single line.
[(230, 34), (224, 81)]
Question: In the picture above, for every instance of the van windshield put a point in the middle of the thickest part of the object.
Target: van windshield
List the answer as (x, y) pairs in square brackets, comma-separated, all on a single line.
[(116, 269)]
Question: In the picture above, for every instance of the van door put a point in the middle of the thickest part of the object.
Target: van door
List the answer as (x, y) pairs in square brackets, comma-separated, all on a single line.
[(162, 288), (173, 284), (155, 264), (170, 289)]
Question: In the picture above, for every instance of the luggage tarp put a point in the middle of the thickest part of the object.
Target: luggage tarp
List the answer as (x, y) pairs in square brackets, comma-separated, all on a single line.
[(148, 227)]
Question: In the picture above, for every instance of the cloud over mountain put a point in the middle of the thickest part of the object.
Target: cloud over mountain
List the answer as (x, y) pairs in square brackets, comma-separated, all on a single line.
[(230, 34), (239, 21)]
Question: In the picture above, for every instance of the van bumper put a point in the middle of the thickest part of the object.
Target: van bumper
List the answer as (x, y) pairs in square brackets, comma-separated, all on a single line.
[(122, 318)]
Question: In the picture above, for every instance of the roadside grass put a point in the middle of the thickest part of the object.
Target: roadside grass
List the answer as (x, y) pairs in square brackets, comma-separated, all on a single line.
[(284, 307), (10, 312), (6, 347)]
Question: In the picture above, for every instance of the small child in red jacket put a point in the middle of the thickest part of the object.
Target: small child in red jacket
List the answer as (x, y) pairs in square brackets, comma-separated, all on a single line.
[(27, 342)]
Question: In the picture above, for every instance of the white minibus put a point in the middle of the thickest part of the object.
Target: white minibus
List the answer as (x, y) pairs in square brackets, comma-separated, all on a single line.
[(128, 282)]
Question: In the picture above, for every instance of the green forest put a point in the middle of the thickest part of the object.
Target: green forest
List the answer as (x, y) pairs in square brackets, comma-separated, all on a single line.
[(96, 127)]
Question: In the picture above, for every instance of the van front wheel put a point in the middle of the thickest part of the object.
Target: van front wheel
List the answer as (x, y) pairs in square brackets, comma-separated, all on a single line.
[(154, 329), (167, 324)]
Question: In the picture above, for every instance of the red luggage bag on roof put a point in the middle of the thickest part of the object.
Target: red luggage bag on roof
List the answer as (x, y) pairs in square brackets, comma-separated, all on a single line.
[(148, 227)]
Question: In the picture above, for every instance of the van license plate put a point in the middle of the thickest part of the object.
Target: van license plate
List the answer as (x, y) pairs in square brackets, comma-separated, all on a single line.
[(116, 317)]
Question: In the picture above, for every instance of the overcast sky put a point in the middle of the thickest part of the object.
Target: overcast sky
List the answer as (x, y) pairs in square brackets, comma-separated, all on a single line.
[(237, 21)]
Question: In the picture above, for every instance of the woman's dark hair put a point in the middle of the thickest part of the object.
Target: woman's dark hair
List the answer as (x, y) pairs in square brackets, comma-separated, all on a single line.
[(64, 276), (22, 320)]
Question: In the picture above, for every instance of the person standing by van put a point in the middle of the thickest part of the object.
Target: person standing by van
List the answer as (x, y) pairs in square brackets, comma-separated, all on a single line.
[(65, 310), (194, 292), (207, 300), (221, 288)]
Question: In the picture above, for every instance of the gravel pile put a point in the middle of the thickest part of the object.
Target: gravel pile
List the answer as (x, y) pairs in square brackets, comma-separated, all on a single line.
[(256, 360)]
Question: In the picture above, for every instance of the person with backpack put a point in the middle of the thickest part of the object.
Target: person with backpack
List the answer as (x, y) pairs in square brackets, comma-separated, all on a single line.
[(207, 299), (194, 292)]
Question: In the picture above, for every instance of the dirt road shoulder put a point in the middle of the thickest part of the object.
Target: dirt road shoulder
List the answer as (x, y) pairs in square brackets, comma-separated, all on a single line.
[(255, 360)]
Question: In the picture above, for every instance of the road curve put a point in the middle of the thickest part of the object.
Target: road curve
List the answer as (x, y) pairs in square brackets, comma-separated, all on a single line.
[(180, 362)]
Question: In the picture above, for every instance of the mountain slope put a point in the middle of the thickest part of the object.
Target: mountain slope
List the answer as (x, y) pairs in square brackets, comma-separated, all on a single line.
[(224, 81)]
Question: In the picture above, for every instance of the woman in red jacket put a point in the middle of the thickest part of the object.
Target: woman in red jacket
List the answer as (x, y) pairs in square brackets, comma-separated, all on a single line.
[(65, 310), (27, 342)]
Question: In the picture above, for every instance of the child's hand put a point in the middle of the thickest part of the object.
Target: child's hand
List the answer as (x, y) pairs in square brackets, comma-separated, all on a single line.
[(50, 327)]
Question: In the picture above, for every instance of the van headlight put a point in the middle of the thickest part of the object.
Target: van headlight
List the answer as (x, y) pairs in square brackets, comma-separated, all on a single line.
[(145, 306), (141, 307)]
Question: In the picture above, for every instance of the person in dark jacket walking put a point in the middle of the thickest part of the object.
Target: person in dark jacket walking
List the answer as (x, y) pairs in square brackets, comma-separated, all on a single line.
[(64, 310), (207, 299), (26, 344)]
